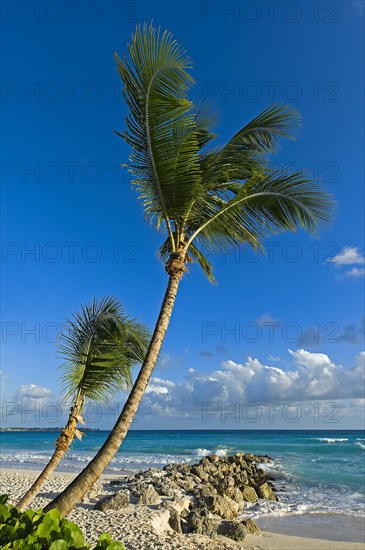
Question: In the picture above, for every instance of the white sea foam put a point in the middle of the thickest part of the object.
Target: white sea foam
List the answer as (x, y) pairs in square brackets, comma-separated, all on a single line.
[(206, 452), (361, 445), (200, 452), (330, 439), (221, 452)]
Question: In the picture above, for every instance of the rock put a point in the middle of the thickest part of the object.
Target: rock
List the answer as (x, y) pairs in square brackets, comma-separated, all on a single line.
[(251, 527), (149, 496), (175, 521), (116, 502), (233, 530), (226, 487), (167, 487), (95, 490), (265, 491), (181, 505), (249, 494), (204, 491), (198, 521), (160, 522), (200, 471), (223, 506), (237, 497)]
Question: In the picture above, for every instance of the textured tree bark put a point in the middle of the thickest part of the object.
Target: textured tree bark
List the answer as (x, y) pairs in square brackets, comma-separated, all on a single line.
[(62, 445), (77, 489)]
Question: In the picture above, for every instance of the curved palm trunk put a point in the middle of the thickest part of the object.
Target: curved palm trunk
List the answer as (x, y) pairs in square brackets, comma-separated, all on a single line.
[(73, 494), (62, 445)]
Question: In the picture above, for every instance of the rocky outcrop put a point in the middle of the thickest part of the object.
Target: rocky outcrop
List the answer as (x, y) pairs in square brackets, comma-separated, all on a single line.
[(208, 498), (265, 491), (234, 530), (116, 502), (149, 495)]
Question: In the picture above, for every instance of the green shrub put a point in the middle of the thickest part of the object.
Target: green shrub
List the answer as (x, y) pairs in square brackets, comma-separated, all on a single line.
[(34, 530)]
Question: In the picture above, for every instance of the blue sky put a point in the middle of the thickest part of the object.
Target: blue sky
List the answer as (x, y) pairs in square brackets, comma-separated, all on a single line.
[(65, 198)]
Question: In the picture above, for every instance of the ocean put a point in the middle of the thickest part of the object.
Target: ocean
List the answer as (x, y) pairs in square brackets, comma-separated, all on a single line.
[(314, 471)]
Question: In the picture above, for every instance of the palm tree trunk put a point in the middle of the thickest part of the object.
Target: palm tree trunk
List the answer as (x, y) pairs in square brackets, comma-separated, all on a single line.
[(62, 445), (77, 489)]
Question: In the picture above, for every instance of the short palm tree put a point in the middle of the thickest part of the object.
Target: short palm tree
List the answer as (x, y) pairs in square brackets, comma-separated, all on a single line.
[(195, 194), (99, 345)]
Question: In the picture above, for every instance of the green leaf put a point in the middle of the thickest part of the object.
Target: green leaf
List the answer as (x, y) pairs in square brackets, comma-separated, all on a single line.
[(76, 538), (59, 545), (105, 537), (116, 546), (53, 515), (44, 529)]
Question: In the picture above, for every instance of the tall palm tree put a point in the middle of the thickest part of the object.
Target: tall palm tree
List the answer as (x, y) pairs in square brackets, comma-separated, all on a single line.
[(99, 345), (196, 195)]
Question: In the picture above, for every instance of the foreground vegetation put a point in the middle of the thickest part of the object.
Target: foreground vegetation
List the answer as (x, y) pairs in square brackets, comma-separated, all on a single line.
[(34, 530)]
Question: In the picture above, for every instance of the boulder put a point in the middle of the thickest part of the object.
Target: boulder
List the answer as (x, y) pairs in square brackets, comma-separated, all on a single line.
[(199, 521), (200, 472), (265, 491), (167, 487), (116, 502), (95, 490), (223, 506), (149, 496), (233, 530), (237, 497), (251, 527), (249, 494), (175, 521)]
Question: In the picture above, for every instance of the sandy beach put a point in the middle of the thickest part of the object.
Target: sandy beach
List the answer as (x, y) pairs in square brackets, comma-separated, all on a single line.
[(139, 529)]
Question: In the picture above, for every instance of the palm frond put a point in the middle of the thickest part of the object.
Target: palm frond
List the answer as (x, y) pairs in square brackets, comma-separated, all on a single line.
[(99, 346), (263, 206), (164, 161), (263, 133), (204, 263)]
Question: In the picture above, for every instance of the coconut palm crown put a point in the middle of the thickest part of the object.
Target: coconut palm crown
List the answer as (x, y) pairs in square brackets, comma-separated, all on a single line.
[(99, 346), (202, 195)]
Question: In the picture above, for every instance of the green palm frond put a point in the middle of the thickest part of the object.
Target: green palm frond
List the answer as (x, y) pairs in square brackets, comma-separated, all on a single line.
[(263, 206), (197, 255), (264, 132), (100, 346), (164, 161)]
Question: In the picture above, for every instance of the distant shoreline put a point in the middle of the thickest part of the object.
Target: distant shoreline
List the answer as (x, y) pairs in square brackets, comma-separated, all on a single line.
[(57, 429), (251, 430)]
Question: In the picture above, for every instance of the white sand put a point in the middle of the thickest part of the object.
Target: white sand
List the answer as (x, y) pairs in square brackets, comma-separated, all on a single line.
[(138, 528)]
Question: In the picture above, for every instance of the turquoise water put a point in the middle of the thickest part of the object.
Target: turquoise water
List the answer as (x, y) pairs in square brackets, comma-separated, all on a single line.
[(315, 471)]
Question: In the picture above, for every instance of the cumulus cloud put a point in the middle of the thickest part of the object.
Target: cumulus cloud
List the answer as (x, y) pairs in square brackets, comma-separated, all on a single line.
[(31, 394), (355, 273), (349, 255), (311, 376)]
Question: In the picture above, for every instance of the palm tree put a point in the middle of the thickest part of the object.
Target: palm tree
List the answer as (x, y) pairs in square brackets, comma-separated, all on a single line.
[(196, 195), (99, 345)]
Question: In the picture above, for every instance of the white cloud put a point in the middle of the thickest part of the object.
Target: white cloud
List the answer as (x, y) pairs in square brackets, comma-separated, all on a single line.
[(32, 394), (308, 359), (355, 272), (349, 255), (312, 376)]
